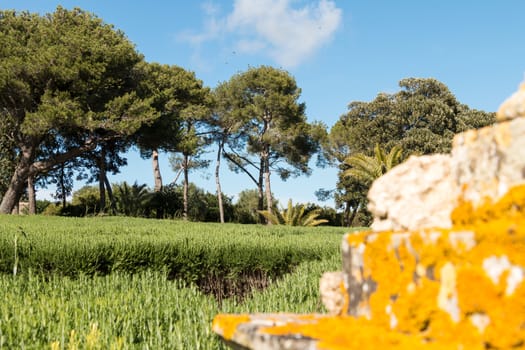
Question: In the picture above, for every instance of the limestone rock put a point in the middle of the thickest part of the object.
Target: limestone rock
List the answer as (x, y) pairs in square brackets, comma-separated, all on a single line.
[(513, 107), (332, 292), (489, 161), (418, 193), (248, 331)]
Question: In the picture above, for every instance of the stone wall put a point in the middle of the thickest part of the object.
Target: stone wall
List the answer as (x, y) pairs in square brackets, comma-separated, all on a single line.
[(443, 266)]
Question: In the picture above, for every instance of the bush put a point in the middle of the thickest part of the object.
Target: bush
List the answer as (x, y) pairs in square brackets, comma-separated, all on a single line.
[(218, 258)]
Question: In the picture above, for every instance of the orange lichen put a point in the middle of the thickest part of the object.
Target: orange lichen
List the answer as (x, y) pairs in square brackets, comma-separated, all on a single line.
[(408, 276), (226, 325), (510, 206), (346, 332), (439, 288)]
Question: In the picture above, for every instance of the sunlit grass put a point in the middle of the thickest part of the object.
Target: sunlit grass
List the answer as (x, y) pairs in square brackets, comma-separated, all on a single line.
[(143, 311)]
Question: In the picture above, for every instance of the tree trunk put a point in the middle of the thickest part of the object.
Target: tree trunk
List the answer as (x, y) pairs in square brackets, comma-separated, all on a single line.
[(63, 186), (260, 191), (31, 194), (101, 177), (26, 166), (185, 163), (268, 189), (218, 182), (156, 171), (113, 205), (352, 216), (18, 181), (102, 191)]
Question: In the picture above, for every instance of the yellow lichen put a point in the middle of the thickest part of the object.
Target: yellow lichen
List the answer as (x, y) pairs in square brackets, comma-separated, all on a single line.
[(409, 276), (433, 288), (226, 325), (346, 332)]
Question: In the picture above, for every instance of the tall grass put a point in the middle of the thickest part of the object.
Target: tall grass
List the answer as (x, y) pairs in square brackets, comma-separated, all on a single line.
[(71, 246), (116, 311), (121, 283), (141, 311)]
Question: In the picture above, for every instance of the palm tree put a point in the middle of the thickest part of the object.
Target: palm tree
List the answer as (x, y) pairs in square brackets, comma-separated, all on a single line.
[(132, 200), (293, 216), (367, 169)]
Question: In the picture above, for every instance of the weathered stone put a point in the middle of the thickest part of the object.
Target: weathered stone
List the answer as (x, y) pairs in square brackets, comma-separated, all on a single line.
[(513, 107), (331, 288), (357, 286), (489, 161), (433, 278), (250, 334), (418, 193)]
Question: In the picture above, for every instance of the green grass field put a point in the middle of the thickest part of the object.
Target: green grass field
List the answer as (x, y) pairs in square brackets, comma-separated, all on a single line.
[(120, 283)]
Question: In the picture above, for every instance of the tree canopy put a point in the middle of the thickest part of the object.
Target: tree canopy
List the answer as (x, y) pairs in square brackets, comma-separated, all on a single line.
[(75, 95), (272, 130), (64, 76), (421, 118), (183, 102)]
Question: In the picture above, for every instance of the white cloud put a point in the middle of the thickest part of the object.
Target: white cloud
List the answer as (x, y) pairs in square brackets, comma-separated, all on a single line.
[(291, 34), (288, 34)]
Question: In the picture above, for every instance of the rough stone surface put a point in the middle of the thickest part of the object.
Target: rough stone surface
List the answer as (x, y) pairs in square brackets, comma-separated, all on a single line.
[(423, 191), (418, 193), (331, 288), (488, 161), (251, 335), (357, 286), (360, 287)]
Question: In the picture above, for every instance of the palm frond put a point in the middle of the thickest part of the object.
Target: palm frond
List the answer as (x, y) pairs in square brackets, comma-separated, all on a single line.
[(367, 169), (271, 217), (293, 215), (311, 219)]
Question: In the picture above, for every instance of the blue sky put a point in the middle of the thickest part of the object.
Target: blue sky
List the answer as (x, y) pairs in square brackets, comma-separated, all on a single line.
[(339, 51)]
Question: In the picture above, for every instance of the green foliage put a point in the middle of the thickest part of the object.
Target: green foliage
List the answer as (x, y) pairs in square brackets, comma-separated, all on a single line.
[(203, 206), (297, 292), (420, 119), (67, 82), (145, 302), (265, 126), (7, 156), (294, 216), (182, 102), (132, 200), (41, 205), (139, 201), (245, 209), (87, 200), (190, 251), (113, 312)]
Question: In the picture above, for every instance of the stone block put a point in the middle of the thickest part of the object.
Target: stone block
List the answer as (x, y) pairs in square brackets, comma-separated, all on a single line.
[(333, 292), (489, 161), (418, 193)]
